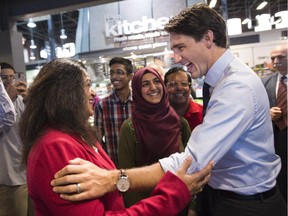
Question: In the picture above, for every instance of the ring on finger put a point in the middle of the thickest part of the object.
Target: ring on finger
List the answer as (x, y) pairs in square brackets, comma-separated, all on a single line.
[(78, 188)]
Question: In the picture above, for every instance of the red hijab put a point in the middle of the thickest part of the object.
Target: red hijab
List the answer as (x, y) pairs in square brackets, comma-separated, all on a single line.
[(157, 126)]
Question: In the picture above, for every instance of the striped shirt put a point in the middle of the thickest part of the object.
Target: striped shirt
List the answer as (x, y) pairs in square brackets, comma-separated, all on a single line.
[(110, 113)]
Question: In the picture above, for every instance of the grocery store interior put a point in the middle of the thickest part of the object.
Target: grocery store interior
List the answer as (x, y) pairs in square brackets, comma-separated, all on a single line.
[(34, 32)]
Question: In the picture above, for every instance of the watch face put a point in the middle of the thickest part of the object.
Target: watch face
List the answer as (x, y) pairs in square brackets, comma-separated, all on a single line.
[(123, 184)]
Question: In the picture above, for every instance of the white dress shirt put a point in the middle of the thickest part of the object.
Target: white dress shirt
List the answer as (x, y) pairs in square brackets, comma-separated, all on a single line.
[(236, 132)]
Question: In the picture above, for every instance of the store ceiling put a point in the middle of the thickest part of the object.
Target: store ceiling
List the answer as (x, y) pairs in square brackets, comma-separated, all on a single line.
[(235, 9), (42, 31), (242, 8)]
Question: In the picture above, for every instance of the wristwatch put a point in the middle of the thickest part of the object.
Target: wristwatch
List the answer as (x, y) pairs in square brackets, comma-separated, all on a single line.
[(123, 182)]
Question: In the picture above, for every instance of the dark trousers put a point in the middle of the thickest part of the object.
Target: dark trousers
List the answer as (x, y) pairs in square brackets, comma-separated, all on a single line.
[(281, 150), (221, 204)]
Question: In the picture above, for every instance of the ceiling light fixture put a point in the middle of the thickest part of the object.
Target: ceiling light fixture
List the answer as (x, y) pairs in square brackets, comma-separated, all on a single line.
[(245, 21), (63, 36), (212, 3), (262, 5), (32, 56), (32, 44), (31, 24)]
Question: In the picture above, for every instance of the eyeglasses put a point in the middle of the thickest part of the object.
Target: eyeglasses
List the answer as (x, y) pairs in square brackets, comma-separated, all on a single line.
[(175, 84), (6, 77), (117, 72)]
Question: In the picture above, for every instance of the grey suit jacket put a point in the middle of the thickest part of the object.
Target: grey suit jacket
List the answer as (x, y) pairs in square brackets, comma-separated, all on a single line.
[(270, 85)]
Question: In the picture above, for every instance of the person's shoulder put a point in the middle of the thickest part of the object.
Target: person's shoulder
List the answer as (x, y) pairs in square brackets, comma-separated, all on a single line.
[(19, 100), (269, 77), (109, 98), (51, 135), (195, 104), (127, 123), (194, 107), (127, 129), (104, 99), (19, 104), (184, 122), (182, 119)]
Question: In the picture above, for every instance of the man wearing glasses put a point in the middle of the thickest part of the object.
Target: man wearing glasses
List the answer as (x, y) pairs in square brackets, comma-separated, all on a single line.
[(178, 83), (111, 111), (13, 188)]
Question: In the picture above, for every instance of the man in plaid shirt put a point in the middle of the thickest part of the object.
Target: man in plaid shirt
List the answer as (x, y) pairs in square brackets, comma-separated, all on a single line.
[(111, 111)]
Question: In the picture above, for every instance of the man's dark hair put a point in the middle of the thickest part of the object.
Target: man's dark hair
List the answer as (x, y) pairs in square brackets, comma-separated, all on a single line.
[(126, 62), (5, 65), (195, 21), (175, 70)]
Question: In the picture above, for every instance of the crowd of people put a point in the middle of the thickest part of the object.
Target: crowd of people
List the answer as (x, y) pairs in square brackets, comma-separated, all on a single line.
[(14, 199), (165, 153), (138, 145)]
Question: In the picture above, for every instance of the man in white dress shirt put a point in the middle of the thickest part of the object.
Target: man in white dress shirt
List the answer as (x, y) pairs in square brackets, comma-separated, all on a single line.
[(236, 132)]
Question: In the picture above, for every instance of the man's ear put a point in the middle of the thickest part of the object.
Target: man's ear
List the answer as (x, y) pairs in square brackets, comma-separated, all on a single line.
[(208, 38), (130, 75)]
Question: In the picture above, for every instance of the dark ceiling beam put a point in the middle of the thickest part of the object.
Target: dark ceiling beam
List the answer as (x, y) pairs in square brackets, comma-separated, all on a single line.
[(23, 9)]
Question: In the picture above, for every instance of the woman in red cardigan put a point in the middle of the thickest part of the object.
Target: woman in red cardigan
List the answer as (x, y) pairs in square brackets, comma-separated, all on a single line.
[(54, 129)]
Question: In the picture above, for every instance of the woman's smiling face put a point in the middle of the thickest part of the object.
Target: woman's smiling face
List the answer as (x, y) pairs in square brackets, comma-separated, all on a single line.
[(151, 88)]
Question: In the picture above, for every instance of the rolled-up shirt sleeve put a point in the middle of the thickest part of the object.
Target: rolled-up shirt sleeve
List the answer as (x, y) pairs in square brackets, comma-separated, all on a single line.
[(7, 109)]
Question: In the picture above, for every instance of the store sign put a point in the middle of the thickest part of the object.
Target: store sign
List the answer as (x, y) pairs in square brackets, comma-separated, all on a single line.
[(145, 46), (264, 23), (282, 16), (124, 30), (140, 36)]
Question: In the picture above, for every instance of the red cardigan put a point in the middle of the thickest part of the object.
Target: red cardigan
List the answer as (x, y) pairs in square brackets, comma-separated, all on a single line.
[(52, 152)]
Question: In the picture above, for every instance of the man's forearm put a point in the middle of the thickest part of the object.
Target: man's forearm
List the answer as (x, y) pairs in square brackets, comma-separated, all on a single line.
[(96, 182), (145, 178)]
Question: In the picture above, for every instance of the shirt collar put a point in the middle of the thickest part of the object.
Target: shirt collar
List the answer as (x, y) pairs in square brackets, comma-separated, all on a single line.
[(280, 75), (215, 72), (115, 97)]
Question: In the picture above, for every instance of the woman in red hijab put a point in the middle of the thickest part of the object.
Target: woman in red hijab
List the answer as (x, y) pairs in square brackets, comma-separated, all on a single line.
[(154, 131)]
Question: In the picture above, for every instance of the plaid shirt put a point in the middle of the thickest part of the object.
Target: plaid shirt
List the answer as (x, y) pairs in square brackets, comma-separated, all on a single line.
[(110, 113)]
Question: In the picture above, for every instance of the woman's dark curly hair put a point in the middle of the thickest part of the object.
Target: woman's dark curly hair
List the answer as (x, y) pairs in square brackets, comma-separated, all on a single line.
[(56, 99)]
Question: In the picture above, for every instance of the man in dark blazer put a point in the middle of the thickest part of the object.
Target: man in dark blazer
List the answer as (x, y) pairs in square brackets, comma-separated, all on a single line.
[(271, 83)]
